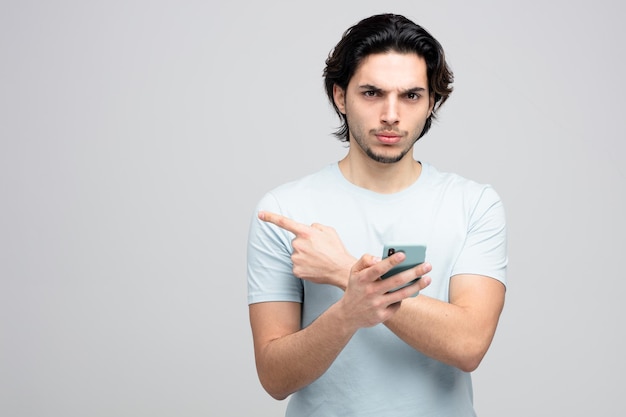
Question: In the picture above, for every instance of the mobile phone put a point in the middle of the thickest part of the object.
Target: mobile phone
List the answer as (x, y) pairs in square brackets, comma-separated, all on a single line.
[(415, 255)]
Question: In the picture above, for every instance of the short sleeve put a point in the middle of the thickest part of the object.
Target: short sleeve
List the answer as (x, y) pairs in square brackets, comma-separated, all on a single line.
[(269, 265), (485, 249)]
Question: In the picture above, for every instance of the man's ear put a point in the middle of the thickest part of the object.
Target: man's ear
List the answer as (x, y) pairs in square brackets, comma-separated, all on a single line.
[(339, 95)]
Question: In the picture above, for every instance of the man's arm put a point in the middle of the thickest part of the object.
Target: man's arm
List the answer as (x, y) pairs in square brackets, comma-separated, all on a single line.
[(458, 332), (289, 358)]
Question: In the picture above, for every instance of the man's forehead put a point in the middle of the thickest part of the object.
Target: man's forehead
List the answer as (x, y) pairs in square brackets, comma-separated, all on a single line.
[(392, 70)]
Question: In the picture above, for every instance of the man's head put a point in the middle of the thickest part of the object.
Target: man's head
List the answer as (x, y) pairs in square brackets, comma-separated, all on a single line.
[(381, 34)]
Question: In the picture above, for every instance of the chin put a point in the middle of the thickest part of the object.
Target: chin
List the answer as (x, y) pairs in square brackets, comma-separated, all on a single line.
[(386, 159)]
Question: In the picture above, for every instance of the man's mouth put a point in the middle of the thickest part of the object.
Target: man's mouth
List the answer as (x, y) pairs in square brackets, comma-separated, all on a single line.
[(388, 138)]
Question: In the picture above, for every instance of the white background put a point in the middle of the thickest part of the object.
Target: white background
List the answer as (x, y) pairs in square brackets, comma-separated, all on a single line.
[(136, 137)]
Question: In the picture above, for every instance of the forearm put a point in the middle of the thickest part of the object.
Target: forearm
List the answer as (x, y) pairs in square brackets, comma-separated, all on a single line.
[(289, 358), (435, 328), (289, 363), (453, 334), (438, 329), (457, 333)]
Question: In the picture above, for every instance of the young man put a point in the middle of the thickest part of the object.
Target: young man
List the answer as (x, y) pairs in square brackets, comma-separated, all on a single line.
[(327, 330)]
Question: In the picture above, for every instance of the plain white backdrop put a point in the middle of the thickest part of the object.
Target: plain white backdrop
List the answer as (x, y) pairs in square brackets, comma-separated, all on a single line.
[(136, 137)]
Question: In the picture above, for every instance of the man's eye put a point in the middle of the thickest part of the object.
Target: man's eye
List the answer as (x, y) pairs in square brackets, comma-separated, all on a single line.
[(370, 93), (412, 96)]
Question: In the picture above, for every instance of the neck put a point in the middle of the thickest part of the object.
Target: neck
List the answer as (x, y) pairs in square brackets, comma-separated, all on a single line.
[(379, 177)]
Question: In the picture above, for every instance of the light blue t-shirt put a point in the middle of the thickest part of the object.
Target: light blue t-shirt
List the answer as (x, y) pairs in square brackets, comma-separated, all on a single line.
[(377, 374)]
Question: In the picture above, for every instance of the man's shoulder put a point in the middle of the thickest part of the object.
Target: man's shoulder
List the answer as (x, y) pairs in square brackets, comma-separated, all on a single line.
[(455, 183), (435, 176), (303, 195), (310, 182)]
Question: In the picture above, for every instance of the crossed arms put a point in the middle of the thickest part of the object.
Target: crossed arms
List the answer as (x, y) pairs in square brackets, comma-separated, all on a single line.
[(457, 332)]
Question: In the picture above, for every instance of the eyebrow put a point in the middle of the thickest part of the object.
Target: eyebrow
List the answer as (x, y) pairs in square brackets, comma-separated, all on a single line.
[(370, 87)]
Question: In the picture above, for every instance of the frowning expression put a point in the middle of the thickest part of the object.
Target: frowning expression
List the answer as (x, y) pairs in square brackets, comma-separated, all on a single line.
[(386, 105)]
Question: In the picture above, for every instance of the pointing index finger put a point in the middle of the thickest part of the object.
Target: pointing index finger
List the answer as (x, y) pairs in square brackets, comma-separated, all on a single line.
[(283, 222)]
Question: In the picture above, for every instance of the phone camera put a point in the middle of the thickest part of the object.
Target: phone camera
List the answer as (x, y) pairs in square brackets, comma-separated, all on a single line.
[(391, 251)]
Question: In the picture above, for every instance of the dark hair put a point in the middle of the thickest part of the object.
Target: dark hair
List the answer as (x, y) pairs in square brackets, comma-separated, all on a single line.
[(385, 33)]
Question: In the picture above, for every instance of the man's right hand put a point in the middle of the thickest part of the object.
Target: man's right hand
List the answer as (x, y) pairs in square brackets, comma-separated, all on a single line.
[(318, 254)]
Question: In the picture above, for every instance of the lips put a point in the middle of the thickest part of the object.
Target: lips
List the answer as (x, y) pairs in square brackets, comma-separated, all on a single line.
[(388, 138)]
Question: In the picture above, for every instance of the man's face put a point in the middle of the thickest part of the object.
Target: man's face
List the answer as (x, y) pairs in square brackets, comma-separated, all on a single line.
[(386, 104)]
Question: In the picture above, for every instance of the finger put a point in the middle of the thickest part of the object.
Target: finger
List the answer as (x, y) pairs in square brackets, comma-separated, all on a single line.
[(364, 262), (409, 291), (374, 267), (283, 222), (417, 286), (318, 226), (425, 268), (389, 262), (399, 279)]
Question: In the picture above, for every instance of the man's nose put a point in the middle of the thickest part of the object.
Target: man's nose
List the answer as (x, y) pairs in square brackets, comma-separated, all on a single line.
[(390, 115)]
